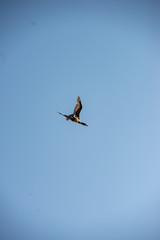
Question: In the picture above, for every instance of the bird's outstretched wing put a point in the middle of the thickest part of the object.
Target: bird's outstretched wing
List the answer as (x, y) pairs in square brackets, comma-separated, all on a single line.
[(78, 107), (62, 114)]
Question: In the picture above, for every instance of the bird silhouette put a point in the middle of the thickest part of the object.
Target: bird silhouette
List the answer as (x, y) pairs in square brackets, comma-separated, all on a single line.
[(75, 116)]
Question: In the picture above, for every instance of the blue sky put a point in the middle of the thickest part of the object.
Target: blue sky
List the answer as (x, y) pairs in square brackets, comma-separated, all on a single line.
[(61, 180)]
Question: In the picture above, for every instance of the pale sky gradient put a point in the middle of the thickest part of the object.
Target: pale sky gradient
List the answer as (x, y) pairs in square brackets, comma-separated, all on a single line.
[(60, 180)]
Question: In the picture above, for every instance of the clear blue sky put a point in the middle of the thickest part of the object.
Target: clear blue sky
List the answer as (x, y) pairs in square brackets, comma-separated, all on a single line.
[(60, 180)]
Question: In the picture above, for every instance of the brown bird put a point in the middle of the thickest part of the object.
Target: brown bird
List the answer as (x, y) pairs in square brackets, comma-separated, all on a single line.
[(75, 117)]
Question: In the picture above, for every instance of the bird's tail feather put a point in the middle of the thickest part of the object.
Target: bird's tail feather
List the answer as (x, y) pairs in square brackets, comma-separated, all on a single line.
[(84, 124)]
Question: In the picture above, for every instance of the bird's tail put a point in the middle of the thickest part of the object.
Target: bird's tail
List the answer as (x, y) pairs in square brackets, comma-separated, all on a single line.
[(84, 124)]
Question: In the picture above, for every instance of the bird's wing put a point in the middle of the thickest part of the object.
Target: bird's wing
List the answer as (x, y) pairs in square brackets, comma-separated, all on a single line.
[(78, 107), (62, 114)]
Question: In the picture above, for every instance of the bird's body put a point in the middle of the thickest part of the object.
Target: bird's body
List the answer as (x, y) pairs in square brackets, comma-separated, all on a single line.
[(75, 117)]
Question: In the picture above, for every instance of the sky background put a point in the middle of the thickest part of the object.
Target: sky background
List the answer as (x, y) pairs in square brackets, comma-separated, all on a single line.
[(58, 179)]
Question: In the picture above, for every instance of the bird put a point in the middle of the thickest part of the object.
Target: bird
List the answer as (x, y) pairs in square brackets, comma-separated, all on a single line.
[(75, 117)]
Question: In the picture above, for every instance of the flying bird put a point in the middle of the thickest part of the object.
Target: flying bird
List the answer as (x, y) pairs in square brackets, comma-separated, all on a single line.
[(75, 117)]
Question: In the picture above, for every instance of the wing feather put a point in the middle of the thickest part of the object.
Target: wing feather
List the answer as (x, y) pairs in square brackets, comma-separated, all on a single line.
[(62, 114), (78, 107)]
